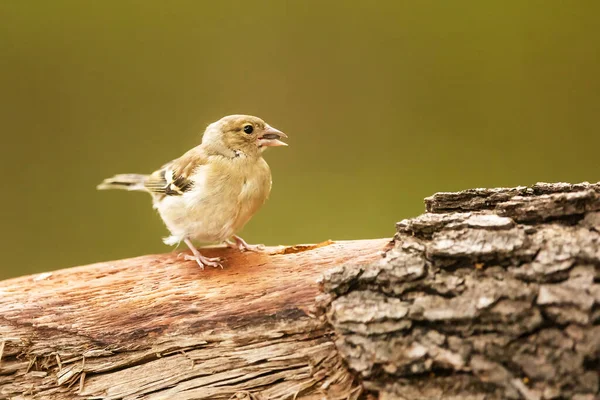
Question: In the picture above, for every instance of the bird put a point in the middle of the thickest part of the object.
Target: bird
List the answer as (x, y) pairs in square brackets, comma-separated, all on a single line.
[(211, 191)]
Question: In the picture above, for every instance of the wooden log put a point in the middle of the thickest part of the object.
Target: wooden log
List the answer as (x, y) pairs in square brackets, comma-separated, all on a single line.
[(491, 294), (157, 327)]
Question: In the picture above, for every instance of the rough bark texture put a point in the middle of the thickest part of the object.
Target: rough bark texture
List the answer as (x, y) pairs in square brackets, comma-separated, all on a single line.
[(157, 327), (492, 294)]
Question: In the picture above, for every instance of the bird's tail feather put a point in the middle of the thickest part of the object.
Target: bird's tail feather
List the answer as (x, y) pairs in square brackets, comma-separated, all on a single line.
[(124, 182)]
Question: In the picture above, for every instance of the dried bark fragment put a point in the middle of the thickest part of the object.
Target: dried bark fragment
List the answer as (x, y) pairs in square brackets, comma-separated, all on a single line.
[(488, 199), (550, 206)]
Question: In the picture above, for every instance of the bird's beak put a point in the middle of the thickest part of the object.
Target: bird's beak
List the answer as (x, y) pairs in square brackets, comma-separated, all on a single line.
[(270, 137)]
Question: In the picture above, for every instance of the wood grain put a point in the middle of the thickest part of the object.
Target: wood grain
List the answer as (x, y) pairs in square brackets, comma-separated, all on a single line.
[(157, 327)]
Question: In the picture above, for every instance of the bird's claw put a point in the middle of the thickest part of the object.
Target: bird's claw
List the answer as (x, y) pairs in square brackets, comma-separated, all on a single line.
[(246, 247), (241, 245), (252, 247), (202, 261)]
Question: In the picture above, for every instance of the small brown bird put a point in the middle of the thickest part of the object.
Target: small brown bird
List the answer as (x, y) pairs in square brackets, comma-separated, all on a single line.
[(209, 193)]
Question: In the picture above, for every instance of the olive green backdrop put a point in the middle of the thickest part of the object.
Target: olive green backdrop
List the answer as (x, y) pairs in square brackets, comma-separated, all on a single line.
[(384, 102)]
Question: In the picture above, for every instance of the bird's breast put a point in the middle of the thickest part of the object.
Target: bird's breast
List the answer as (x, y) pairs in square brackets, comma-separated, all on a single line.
[(254, 191), (222, 200)]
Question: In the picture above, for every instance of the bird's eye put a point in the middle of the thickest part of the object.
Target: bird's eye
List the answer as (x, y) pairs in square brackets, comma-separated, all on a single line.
[(248, 129)]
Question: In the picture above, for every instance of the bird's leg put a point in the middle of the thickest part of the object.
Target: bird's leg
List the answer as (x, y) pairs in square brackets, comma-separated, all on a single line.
[(199, 258), (243, 246)]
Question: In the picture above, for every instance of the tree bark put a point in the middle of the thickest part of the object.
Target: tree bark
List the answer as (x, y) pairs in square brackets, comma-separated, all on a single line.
[(491, 294)]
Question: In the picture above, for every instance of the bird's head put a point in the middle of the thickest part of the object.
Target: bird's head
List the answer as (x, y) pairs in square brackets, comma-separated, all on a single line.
[(248, 134)]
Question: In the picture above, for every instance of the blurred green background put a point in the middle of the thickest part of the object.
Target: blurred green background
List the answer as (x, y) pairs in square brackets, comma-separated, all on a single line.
[(384, 103)]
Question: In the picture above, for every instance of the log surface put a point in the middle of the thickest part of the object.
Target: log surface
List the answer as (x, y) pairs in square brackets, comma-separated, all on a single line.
[(157, 327)]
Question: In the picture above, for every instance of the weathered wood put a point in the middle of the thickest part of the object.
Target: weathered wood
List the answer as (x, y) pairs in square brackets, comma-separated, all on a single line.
[(494, 294), (157, 327)]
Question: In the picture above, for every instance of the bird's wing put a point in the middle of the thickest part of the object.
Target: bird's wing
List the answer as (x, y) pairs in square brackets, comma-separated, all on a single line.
[(174, 178)]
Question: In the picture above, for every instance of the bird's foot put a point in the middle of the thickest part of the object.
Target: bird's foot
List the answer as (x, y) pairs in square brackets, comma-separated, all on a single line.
[(199, 258), (202, 261), (241, 245), (257, 248)]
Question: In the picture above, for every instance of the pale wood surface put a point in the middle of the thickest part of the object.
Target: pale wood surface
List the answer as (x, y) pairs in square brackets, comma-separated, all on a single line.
[(158, 327)]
